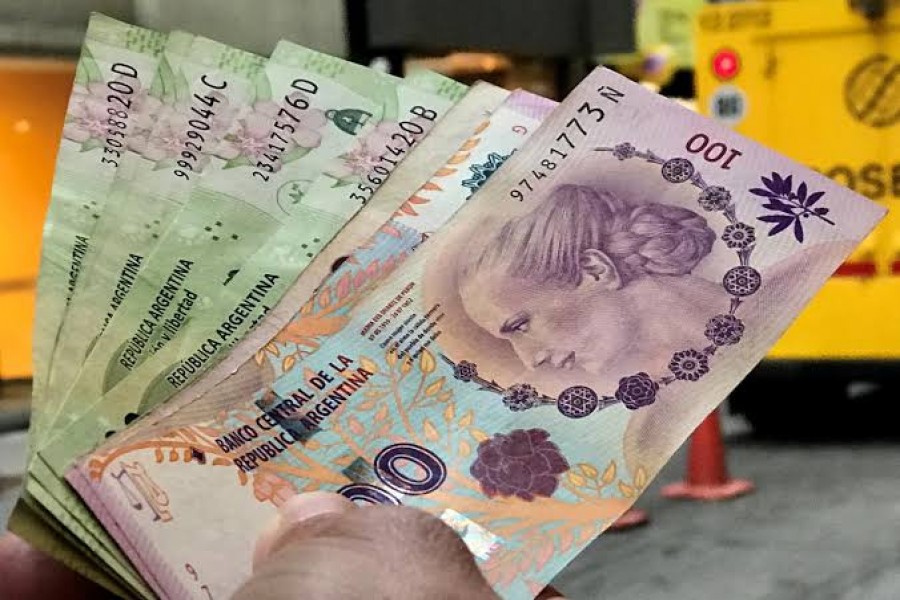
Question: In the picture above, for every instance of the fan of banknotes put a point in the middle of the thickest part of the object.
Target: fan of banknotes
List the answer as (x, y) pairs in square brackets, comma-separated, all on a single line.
[(264, 276)]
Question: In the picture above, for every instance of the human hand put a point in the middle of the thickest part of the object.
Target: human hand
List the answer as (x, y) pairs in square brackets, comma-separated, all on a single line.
[(323, 546), (27, 574)]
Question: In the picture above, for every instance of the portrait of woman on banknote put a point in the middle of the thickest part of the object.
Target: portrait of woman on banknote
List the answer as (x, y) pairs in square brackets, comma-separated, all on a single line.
[(589, 280), (593, 283)]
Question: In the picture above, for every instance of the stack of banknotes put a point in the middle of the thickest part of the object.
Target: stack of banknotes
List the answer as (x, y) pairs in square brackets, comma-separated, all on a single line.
[(264, 276)]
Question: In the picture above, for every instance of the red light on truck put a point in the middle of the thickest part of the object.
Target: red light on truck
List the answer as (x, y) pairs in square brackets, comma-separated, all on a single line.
[(856, 269), (726, 64)]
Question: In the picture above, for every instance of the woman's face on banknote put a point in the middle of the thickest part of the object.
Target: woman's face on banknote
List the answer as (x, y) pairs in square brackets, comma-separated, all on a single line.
[(588, 280), (548, 325)]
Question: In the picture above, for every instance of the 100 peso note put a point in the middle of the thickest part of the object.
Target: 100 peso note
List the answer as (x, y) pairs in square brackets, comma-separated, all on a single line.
[(528, 370)]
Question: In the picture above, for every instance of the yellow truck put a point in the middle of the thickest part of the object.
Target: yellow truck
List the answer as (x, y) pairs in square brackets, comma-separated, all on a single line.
[(819, 80)]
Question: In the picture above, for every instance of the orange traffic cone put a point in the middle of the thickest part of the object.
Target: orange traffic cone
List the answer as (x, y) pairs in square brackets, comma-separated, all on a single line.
[(707, 473)]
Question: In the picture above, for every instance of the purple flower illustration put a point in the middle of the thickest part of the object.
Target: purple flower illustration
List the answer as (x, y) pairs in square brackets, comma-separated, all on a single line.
[(522, 463), (577, 401), (739, 236), (636, 391), (689, 365), (520, 396), (252, 135), (624, 151), (677, 170), (742, 280), (465, 371), (167, 138), (724, 330), (365, 154), (88, 119), (146, 114), (715, 197), (789, 207)]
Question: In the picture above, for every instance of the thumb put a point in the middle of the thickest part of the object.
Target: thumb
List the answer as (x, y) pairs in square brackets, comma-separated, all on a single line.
[(296, 510), (323, 546)]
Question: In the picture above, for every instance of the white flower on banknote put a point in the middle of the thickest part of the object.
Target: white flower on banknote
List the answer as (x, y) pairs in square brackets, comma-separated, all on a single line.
[(165, 140), (168, 138), (282, 254), (149, 110), (86, 118), (90, 111), (191, 234), (262, 128), (365, 154)]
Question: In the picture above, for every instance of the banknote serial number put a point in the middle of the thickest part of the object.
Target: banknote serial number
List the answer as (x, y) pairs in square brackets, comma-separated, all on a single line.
[(286, 122), (118, 107), (573, 133), (199, 124), (402, 141)]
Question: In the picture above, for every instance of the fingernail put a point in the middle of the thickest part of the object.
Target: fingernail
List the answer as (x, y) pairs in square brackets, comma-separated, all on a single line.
[(295, 510)]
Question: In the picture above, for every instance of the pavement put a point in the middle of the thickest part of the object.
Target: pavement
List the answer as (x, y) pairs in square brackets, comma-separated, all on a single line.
[(824, 524)]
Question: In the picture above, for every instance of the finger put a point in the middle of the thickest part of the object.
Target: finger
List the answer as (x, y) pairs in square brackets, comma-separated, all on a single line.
[(27, 574), (371, 551), (297, 509)]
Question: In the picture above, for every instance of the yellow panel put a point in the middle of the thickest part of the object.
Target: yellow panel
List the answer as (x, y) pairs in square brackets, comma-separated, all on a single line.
[(821, 84), (17, 310), (32, 108), (850, 318)]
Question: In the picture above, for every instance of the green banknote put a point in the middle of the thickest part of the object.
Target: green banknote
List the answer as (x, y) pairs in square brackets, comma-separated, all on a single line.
[(230, 193), (198, 88), (134, 396), (191, 102), (105, 108), (420, 103), (234, 207)]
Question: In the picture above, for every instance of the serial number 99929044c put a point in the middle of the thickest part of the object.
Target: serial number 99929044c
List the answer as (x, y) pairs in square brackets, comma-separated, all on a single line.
[(199, 124)]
